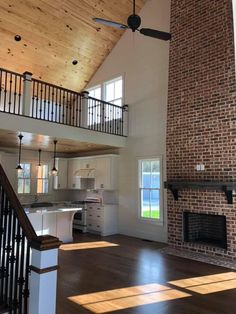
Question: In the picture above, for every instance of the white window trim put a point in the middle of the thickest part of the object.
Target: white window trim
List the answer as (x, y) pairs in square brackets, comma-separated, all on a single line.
[(48, 178), (30, 178), (159, 221), (103, 85), (33, 178)]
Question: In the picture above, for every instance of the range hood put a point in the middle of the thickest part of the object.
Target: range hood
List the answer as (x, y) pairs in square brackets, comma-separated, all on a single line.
[(85, 173)]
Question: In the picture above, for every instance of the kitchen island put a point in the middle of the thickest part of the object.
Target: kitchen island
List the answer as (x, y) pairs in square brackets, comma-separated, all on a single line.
[(56, 221)]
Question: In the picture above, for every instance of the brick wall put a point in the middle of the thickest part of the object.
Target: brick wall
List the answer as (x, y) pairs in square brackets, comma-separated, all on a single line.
[(201, 126)]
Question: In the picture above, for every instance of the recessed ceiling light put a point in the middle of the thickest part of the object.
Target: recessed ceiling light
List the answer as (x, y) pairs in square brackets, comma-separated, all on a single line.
[(74, 62), (17, 38)]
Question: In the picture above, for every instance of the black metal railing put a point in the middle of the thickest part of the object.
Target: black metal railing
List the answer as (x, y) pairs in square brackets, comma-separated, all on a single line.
[(55, 104), (105, 117), (23, 95), (11, 90), (14, 250)]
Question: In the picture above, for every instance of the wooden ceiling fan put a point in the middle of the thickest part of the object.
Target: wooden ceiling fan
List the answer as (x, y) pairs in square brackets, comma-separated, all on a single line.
[(134, 22)]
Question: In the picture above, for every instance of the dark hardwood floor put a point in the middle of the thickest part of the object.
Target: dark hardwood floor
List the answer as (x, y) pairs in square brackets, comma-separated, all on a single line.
[(119, 274)]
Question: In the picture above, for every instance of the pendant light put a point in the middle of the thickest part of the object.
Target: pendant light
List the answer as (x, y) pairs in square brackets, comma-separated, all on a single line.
[(39, 164), (19, 168), (54, 169)]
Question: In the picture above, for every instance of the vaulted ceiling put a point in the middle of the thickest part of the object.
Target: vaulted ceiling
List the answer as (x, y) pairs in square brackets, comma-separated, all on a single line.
[(56, 32)]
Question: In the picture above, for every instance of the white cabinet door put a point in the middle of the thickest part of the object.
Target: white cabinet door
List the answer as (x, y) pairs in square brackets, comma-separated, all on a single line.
[(102, 219), (103, 173), (60, 181), (106, 175), (73, 167)]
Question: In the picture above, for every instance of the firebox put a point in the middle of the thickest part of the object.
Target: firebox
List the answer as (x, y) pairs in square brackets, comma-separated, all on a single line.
[(205, 229)]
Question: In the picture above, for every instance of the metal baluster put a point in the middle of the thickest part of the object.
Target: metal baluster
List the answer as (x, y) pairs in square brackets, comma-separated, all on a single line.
[(18, 239), (59, 109), (33, 107), (8, 251), (37, 100), (5, 92), (12, 261), (41, 100), (19, 98), (21, 279), (48, 102), (4, 242), (76, 109), (10, 94), (80, 111), (56, 119), (52, 105), (45, 102), (63, 107), (14, 105)]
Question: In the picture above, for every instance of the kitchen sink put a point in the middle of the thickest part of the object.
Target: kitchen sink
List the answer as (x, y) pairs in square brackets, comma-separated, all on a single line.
[(42, 204)]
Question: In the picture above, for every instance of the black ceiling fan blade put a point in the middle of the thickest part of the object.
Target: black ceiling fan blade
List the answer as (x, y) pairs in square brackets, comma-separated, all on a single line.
[(110, 23), (155, 33)]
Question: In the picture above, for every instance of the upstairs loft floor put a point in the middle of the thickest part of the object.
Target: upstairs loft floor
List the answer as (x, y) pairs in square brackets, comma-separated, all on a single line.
[(119, 274)]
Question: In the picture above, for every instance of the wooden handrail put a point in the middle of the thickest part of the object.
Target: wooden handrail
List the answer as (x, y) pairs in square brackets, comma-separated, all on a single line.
[(38, 242)]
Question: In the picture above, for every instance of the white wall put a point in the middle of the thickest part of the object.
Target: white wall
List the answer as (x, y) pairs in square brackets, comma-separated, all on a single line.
[(144, 63)]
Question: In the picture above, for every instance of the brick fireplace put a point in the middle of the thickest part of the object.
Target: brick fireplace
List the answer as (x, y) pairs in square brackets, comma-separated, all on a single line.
[(201, 121)]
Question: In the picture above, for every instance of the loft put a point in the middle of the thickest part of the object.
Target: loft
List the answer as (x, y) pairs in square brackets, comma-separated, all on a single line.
[(22, 95)]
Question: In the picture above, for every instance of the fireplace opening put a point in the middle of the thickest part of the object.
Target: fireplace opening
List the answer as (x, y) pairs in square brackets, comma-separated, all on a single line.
[(205, 229)]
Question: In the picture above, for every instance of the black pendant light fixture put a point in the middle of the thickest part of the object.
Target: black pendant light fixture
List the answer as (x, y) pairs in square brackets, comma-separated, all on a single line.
[(39, 164), (54, 169), (19, 168)]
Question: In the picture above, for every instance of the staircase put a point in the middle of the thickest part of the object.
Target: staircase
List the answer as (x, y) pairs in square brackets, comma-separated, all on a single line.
[(17, 238)]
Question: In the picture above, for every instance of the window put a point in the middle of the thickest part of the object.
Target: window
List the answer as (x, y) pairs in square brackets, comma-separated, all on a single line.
[(109, 91), (114, 91), (150, 188), (24, 179), (42, 179)]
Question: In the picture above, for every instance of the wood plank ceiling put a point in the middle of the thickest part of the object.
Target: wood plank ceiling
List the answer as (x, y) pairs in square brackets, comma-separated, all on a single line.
[(9, 139), (54, 33)]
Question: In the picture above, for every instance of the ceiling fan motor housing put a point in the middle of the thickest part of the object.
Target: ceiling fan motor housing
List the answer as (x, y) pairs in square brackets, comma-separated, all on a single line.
[(134, 21)]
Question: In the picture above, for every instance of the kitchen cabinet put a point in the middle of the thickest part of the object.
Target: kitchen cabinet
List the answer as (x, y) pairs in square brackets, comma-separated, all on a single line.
[(106, 175), (73, 166), (54, 221), (77, 168), (60, 180), (102, 219), (104, 168)]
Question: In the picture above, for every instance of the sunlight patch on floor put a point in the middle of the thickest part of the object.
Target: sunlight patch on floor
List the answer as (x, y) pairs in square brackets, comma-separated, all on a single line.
[(118, 299), (208, 284), (86, 245)]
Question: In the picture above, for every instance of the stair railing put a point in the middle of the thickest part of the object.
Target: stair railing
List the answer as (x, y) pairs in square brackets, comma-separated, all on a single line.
[(17, 241)]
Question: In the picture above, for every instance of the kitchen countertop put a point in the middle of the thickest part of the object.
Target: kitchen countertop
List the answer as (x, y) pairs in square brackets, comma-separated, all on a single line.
[(51, 209)]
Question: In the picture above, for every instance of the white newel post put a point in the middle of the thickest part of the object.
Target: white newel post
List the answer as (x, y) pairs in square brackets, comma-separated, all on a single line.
[(84, 109), (27, 97), (43, 278)]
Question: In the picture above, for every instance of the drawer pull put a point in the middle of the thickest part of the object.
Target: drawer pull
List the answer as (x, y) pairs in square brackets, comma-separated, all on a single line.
[(90, 215), (98, 216), (98, 226), (90, 225)]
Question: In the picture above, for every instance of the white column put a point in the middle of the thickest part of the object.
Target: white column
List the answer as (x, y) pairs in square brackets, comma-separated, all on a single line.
[(84, 109), (43, 279), (27, 97)]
